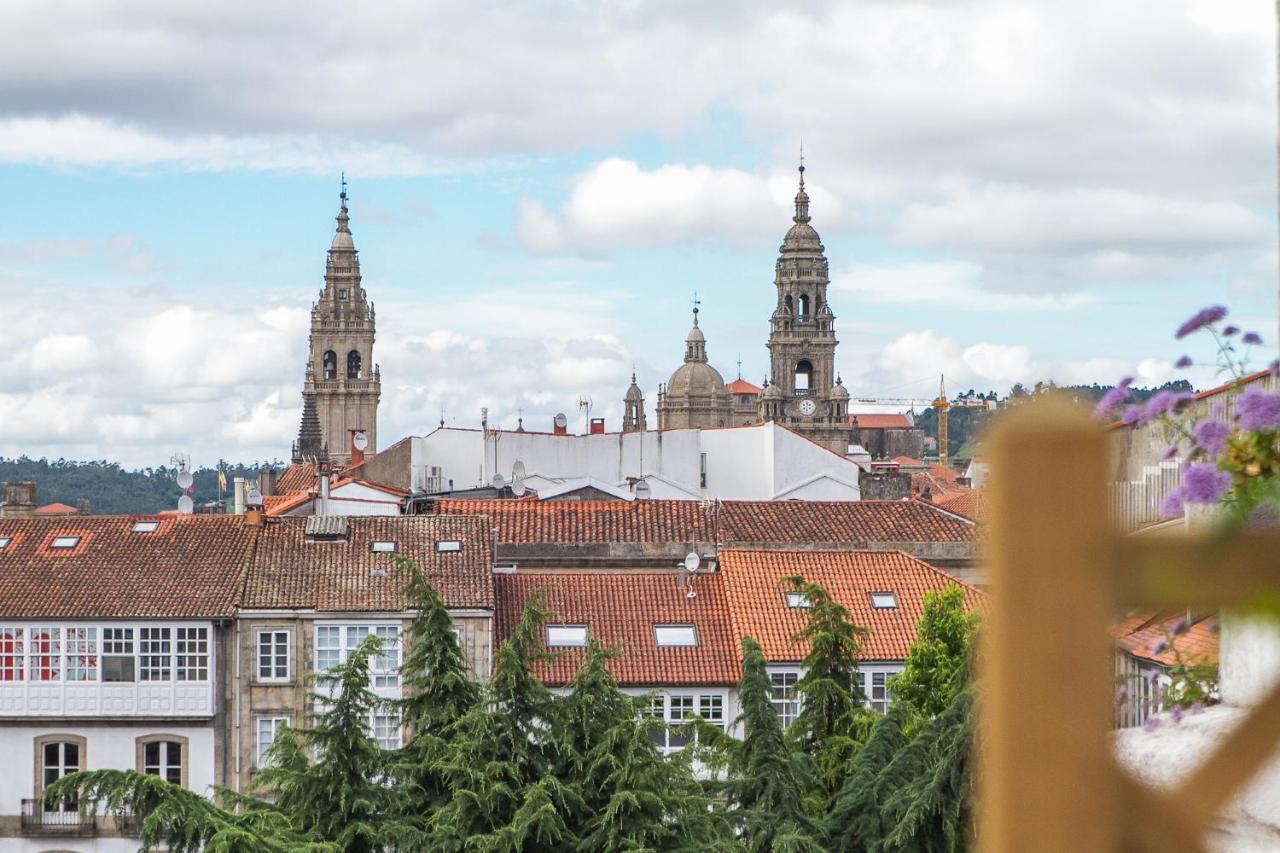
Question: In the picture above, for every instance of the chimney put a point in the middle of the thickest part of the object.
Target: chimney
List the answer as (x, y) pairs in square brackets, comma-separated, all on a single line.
[(559, 428), (597, 426), (322, 491), (357, 452), (19, 500), (238, 490), (254, 517), (82, 506), (267, 481)]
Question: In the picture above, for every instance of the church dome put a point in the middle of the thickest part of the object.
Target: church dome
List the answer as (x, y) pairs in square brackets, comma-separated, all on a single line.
[(772, 392), (840, 392), (695, 379)]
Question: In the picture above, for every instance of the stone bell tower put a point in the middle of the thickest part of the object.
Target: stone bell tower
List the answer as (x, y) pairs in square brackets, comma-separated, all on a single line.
[(804, 392), (342, 380)]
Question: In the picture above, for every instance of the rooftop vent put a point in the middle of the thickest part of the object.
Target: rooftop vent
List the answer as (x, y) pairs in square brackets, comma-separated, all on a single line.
[(326, 528)]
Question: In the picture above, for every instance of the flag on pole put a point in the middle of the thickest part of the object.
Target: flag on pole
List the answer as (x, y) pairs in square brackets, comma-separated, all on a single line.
[(222, 481)]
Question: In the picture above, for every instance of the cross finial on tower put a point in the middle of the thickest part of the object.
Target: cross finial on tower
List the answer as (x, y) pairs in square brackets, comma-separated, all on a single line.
[(739, 365), (801, 165), (343, 195), (696, 303)]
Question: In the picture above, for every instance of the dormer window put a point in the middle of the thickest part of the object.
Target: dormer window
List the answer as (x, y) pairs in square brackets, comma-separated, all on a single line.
[(884, 600), (566, 636), (798, 601), (675, 635), (448, 546), (146, 526), (64, 543)]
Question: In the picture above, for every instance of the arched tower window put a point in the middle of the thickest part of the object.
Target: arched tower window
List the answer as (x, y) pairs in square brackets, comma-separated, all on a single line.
[(804, 376), (353, 364), (330, 364), (787, 302), (804, 307)]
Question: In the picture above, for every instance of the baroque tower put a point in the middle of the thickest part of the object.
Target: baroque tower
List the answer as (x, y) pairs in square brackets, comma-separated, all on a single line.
[(633, 408), (804, 392), (342, 382)]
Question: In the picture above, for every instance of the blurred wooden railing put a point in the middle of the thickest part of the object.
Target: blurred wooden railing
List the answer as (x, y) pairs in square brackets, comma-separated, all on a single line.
[(1047, 777)]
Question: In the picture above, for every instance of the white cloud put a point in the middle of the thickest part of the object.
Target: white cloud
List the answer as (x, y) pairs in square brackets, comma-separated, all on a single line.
[(618, 203), (943, 284)]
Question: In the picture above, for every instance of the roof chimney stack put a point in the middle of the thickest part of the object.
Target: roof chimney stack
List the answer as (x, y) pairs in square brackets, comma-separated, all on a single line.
[(19, 500), (238, 489)]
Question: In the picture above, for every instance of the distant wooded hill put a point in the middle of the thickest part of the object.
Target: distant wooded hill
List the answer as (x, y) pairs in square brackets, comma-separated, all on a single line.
[(964, 426), (112, 490)]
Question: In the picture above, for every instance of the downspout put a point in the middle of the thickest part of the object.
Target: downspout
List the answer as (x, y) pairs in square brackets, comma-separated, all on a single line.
[(235, 716)]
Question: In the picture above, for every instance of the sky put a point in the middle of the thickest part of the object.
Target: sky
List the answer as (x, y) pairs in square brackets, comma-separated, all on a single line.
[(1007, 191)]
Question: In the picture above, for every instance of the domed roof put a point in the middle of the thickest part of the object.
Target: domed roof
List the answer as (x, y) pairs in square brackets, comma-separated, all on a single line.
[(772, 392), (840, 392), (634, 392), (695, 378), (801, 237), (342, 237)]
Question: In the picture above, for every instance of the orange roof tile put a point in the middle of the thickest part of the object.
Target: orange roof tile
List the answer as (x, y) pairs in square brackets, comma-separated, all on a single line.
[(880, 420), (742, 386), (191, 566), (56, 509), (620, 609), (754, 522), (344, 575), (1140, 633), (757, 602), (971, 503), (298, 477)]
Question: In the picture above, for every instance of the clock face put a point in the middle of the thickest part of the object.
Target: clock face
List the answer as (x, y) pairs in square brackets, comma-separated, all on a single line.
[(808, 407)]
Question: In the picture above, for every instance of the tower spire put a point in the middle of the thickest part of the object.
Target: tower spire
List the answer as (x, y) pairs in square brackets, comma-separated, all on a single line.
[(802, 197)]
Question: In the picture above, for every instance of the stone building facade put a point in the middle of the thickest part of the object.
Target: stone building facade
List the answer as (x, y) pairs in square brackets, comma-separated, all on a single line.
[(341, 378), (695, 396)]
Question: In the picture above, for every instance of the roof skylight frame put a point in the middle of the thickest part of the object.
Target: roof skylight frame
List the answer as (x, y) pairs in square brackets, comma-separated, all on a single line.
[(64, 543), (671, 635), (145, 525), (566, 635), (448, 546), (884, 600), (797, 600), (5, 542), (383, 546)]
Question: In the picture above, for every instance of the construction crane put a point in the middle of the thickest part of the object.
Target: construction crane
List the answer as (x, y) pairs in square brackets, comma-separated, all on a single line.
[(941, 405)]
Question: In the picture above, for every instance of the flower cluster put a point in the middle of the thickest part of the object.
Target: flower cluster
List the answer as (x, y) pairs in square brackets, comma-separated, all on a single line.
[(1233, 459)]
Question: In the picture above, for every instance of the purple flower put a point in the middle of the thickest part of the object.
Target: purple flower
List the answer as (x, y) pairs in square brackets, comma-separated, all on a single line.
[(1212, 435), (1217, 410), (1180, 627), (1252, 338), (1197, 708), (1160, 647), (1230, 330), (1171, 506), (1112, 400), (1166, 402), (1185, 361), (1203, 483), (1131, 416), (1151, 724), (1202, 318), (1258, 410), (1175, 714), (1170, 451)]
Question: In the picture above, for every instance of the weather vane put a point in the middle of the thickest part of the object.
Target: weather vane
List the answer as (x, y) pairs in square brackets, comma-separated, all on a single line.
[(343, 194)]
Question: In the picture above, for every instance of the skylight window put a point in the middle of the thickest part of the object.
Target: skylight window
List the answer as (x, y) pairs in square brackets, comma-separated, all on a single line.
[(64, 542), (146, 526), (566, 635), (798, 601), (884, 600), (4, 542), (383, 547), (675, 635), (448, 546)]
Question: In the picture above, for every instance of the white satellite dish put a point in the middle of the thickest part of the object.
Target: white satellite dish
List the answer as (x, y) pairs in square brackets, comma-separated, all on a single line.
[(254, 498), (185, 479), (498, 481), (517, 470), (186, 506), (517, 487), (692, 561), (643, 490), (361, 441), (561, 420)]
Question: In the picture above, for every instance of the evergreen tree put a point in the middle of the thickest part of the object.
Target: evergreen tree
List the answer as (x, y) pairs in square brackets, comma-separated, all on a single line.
[(932, 812), (936, 668), (342, 794), (832, 711), (854, 822), (765, 788)]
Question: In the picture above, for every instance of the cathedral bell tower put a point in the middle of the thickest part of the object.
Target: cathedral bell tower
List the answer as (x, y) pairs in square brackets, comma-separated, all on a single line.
[(342, 382), (804, 392)]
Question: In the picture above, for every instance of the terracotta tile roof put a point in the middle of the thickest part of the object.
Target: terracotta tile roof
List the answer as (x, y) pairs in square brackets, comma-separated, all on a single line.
[(56, 509), (620, 609), (291, 572), (742, 386), (971, 503), (880, 420), (278, 505), (907, 460), (757, 603), (756, 522), (191, 566), (1140, 632), (298, 477)]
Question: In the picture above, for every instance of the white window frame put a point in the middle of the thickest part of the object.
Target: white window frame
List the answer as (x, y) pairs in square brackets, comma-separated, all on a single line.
[(659, 627), (448, 546), (797, 600), (64, 543), (787, 707), (868, 672), (382, 546), (164, 764), (384, 675), (566, 641), (260, 748), (145, 526), (675, 706), (273, 655), (387, 729), (884, 600), (76, 653)]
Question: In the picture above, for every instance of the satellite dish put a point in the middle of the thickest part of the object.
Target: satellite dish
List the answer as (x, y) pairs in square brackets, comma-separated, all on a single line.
[(517, 487), (642, 490), (361, 441), (517, 470), (185, 479), (254, 498), (561, 420), (498, 481), (692, 561), (186, 506)]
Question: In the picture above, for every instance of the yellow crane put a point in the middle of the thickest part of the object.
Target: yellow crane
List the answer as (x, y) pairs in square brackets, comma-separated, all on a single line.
[(941, 405)]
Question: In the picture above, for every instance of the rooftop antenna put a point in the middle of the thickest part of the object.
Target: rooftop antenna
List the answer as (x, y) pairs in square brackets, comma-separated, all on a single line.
[(584, 404), (442, 417)]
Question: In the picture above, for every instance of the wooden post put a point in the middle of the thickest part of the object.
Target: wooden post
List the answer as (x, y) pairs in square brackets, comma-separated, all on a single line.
[(1047, 780)]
